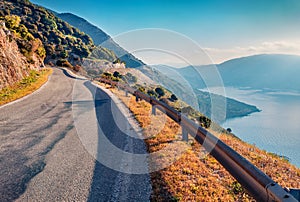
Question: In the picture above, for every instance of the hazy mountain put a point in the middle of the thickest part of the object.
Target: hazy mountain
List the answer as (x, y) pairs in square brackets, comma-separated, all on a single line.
[(276, 72), (270, 72), (101, 38)]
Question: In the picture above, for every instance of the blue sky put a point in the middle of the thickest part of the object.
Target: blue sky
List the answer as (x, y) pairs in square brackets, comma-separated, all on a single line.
[(224, 28)]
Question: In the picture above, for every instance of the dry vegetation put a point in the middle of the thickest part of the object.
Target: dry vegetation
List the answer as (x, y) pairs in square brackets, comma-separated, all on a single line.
[(195, 176), (26, 86)]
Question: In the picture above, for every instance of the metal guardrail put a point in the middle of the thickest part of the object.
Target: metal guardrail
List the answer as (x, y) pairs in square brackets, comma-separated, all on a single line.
[(256, 182)]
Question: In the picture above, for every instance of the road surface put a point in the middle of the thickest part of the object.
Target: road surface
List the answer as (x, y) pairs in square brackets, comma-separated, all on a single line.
[(44, 155)]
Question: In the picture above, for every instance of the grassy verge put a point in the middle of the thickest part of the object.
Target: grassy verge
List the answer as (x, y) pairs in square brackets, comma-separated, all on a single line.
[(26, 86), (196, 176)]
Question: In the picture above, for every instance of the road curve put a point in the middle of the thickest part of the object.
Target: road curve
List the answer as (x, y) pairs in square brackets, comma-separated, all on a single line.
[(42, 157)]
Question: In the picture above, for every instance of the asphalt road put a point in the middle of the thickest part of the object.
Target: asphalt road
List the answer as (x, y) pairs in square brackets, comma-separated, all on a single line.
[(49, 154)]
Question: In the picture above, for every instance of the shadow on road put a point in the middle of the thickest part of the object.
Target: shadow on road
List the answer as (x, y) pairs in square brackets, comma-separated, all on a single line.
[(109, 184), (87, 102), (69, 75)]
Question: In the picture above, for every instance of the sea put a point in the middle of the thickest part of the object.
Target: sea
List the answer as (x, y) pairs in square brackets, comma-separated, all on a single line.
[(276, 128)]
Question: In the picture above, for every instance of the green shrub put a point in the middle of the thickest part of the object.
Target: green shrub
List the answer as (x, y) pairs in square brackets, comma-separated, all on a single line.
[(142, 89), (41, 52), (152, 93), (63, 63), (159, 91), (173, 97), (236, 188), (64, 54), (204, 121), (106, 75), (12, 21), (117, 74)]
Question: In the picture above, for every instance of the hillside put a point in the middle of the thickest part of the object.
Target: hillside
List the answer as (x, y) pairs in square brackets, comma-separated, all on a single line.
[(60, 39), (186, 83), (191, 174), (101, 38), (19, 54)]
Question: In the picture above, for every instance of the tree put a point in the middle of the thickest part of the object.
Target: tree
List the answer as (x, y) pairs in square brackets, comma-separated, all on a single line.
[(151, 93), (117, 74), (159, 91), (229, 130), (142, 89), (106, 75), (12, 21), (64, 54), (173, 97), (64, 63)]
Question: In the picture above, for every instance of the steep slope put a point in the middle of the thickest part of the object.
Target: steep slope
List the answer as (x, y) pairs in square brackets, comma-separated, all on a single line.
[(14, 65), (60, 39), (101, 38), (96, 33)]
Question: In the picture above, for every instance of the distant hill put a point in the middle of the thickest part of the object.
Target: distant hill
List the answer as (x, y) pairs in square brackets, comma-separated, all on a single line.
[(186, 88), (101, 38), (275, 72), (267, 72)]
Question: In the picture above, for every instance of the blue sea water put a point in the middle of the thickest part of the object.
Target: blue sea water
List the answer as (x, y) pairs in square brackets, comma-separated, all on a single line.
[(276, 128)]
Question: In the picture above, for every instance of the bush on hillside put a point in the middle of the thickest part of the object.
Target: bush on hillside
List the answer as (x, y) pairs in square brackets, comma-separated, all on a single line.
[(130, 78), (64, 63), (159, 91), (152, 93), (117, 74), (173, 97), (204, 121)]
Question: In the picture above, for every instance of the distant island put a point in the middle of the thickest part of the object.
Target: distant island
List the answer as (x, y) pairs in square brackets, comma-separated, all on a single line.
[(183, 80), (234, 108)]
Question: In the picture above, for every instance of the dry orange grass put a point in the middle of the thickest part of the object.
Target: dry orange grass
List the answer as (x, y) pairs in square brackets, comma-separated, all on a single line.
[(196, 176), (27, 86)]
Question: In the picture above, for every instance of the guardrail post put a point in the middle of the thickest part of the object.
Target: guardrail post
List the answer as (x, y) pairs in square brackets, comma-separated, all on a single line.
[(185, 134), (153, 110)]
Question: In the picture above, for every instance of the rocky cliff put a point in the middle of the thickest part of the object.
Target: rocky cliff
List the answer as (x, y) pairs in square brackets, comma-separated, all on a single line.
[(13, 64)]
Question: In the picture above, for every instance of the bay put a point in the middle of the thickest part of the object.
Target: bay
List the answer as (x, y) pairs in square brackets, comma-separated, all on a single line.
[(276, 128)]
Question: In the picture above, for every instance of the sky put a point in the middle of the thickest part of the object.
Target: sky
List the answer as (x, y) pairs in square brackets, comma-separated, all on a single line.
[(224, 29)]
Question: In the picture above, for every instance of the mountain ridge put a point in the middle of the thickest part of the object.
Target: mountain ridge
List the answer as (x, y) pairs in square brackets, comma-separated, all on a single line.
[(101, 38), (271, 71), (262, 71)]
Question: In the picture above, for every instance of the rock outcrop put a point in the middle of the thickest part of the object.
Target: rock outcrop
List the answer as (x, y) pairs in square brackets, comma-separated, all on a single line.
[(13, 64)]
